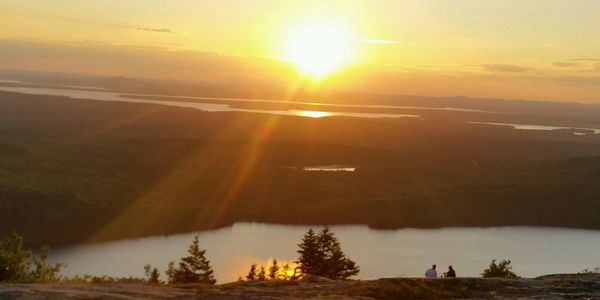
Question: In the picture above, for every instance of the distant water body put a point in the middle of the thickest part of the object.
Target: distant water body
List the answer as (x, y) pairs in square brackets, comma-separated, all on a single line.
[(192, 102), (577, 130), (325, 109), (534, 251)]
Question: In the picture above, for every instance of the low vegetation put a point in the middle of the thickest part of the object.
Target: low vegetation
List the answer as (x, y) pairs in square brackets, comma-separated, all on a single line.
[(503, 269), (595, 270), (18, 264), (79, 279)]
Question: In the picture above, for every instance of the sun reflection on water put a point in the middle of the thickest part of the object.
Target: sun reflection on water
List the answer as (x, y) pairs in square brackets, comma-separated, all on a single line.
[(313, 114)]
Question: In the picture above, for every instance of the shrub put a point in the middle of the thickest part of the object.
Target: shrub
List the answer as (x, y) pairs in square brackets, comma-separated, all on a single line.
[(100, 279), (152, 275), (595, 270), (500, 270), (16, 261)]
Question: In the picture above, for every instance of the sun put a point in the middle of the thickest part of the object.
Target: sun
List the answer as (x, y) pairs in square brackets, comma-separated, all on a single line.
[(318, 49)]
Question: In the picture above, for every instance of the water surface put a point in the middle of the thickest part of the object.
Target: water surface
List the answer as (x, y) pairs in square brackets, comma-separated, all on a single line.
[(543, 127), (329, 168), (534, 251), (101, 95)]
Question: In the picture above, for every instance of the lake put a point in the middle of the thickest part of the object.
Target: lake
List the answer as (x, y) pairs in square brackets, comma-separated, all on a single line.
[(192, 102), (534, 251), (576, 130)]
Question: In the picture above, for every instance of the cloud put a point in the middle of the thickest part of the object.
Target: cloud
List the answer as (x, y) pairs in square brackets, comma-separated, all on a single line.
[(587, 59), (591, 81), (502, 68), (580, 64), (565, 64), (150, 29), (375, 41)]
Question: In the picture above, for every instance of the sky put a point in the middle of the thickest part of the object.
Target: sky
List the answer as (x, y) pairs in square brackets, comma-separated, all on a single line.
[(534, 49)]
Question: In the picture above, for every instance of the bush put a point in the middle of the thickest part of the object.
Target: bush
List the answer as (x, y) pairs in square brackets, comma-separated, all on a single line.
[(79, 279), (500, 270), (322, 255), (16, 261), (595, 270)]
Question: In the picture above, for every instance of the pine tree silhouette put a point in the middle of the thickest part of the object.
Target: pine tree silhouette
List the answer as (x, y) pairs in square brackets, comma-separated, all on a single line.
[(322, 255), (274, 270), (262, 274), (252, 273), (194, 268)]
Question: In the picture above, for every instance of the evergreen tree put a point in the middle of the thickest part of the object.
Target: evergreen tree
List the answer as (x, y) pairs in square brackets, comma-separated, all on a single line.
[(285, 270), (310, 255), (194, 268), (252, 273), (262, 274), (322, 255), (274, 270), (152, 275)]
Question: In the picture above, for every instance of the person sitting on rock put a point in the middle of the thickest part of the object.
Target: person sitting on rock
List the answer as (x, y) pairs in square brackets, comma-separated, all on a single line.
[(451, 273), (431, 273)]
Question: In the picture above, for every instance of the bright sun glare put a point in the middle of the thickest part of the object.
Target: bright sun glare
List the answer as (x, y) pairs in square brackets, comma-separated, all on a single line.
[(318, 49), (313, 114)]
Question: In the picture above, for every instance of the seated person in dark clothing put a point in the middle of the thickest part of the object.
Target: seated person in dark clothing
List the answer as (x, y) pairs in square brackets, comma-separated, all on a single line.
[(450, 272)]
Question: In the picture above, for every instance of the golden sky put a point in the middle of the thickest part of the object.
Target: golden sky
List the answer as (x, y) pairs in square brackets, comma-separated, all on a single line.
[(537, 49)]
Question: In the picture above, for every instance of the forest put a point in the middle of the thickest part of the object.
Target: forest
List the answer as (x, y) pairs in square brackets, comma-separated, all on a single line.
[(73, 171)]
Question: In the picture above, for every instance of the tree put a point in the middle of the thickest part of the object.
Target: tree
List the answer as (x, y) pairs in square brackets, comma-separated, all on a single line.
[(285, 271), (261, 274), (311, 257), (500, 270), (152, 275), (274, 270), (322, 255), (15, 262), (252, 273), (194, 268)]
